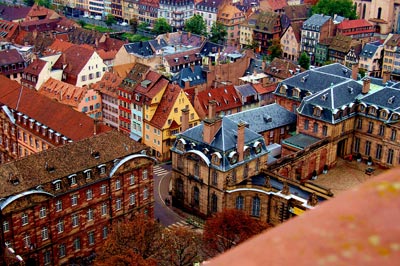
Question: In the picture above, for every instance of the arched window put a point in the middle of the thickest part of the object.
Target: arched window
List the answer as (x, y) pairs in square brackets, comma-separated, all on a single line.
[(255, 207), (196, 170), (196, 197), (214, 203), (240, 203)]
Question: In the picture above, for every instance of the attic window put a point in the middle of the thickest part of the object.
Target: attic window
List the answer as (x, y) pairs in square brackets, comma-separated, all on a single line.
[(57, 184), (372, 110), (267, 118), (137, 97), (72, 180), (233, 157), (176, 60), (283, 89), (181, 144), (317, 111), (351, 91), (257, 147), (296, 92)]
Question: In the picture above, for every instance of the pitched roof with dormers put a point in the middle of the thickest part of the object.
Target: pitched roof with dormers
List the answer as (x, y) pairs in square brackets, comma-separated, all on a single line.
[(273, 5), (12, 13), (84, 36), (58, 117), (134, 77), (8, 57), (73, 60), (353, 24), (35, 67), (57, 46), (108, 84), (68, 159), (141, 49), (150, 85), (63, 92), (39, 13), (193, 74), (281, 68), (123, 70), (229, 12), (341, 43), (297, 12), (8, 30), (226, 97), (183, 58)]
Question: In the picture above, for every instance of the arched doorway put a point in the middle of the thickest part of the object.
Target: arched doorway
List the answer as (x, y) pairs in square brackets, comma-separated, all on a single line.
[(341, 148)]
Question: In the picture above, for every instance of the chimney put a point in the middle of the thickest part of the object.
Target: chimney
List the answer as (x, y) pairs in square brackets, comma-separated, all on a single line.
[(95, 125), (211, 109), (354, 71), (210, 128), (185, 119), (240, 140), (366, 85), (385, 77)]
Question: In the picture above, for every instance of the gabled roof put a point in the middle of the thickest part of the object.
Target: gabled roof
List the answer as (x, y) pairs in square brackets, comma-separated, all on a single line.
[(59, 117), (12, 56), (226, 97), (84, 36), (209, 4), (370, 49), (388, 98), (297, 12), (296, 26), (316, 20), (109, 44), (35, 67), (57, 46), (63, 92), (263, 89), (341, 43), (74, 58), (39, 13), (12, 13), (273, 5), (266, 21), (268, 117), (8, 30), (158, 43), (210, 47), (229, 12), (134, 76), (185, 57), (246, 90), (123, 70), (394, 40), (108, 84), (165, 106), (354, 23), (281, 68), (194, 75)]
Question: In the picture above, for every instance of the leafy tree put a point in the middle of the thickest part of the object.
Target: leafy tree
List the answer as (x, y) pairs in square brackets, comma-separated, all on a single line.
[(134, 24), (82, 23), (45, 3), (304, 60), (29, 2), (110, 19), (135, 240), (182, 248), (196, 25), (362, 72), (344, 8), (218, 32), (143, 25), (229, 228), (275, 49), (161, 26)]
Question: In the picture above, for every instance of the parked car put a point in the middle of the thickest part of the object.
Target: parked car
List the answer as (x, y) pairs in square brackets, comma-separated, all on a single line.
[(97, 17)]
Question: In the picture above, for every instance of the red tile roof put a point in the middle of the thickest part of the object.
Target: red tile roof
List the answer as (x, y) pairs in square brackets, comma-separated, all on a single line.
[(10, 28), (263, 89), (8, 57), (358, 227), (180, 58), (35, 67), (281, 68), (108, 84), (38, 12), (355, 23), (59, 117), (58, 46)]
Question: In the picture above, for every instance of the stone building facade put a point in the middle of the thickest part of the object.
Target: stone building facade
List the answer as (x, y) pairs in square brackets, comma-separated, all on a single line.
[(58, 206)]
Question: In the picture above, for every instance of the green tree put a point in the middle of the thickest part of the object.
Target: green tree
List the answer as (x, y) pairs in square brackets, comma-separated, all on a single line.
[(45, 3), (304, 60), (110, 19), (82, 23), (143, 26), (362, 72), (344, 8), (196, 25), (161, 26), (218, 33), (29, 2), (134, 24), (275, 49)]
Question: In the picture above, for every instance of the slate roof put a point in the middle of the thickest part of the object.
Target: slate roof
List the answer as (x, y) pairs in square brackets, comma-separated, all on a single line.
[(316, 20), (256, 65), (370, 49), (225, 140), (61, 118), (158, 44), (268, 117), (142, 49), (194, 75), (182, 58), (31, 170), (246, 90), (300, 141), (12, 13), (388, 98)]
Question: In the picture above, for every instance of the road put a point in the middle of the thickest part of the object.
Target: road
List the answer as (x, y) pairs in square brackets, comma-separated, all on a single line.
[(162, 177)]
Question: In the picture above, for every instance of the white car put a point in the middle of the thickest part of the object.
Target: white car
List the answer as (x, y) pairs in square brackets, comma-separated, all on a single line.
[(97, 17), (124, 24)]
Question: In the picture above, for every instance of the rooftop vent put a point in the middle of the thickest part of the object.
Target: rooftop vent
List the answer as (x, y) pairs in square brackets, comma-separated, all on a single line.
[(391, 100), (324, 97), (267, 118)]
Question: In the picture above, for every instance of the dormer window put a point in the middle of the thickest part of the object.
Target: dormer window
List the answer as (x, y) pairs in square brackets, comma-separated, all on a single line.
[(88, 173), (181, 144), (246, 151), (257, 147), (216, 158), (383, 114), (137, 97), (102, 169), (31, 123), (57, 184), (296, 92), (283, 89), (233, 157), (372, 110), (361, 107), (317, 111), (72, 180)]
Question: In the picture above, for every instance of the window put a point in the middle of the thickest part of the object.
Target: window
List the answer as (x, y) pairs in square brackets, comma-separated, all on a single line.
[(131, 179), (90, 214), (105, 232), (215, 178), (88, 174), (72, 180), (103, 189), (118, 204), (77, 243), (315, 128), (132, 198), (196, 196), (45, 233), (6, 226), (75, 220), (196, 169), (103, 209), (370, 127), (24, 219), (145, 193), (306, 122), (357, 145), (240, 203), (117, 184), (42, 212), (381, 130), (102, 170), (255, 207), (144, 174), (46, 258), (359, 123), (393, 135), (58, 205), (61, 250), (378, 151), (89, 194), (390, 156), (367, 147), (214, 203), (60, 226), (91, 238), (324, 130), (27, 240), (74, 199)]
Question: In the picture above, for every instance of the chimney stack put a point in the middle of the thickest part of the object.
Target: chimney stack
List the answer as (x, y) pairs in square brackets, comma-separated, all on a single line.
[(185, 119), (95, 122), (211, 109), (240, 140), (366, 86), (385, 77), (354, 71)]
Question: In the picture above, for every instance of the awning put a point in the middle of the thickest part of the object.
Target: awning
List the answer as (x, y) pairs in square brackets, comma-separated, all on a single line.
[(135, 137)]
